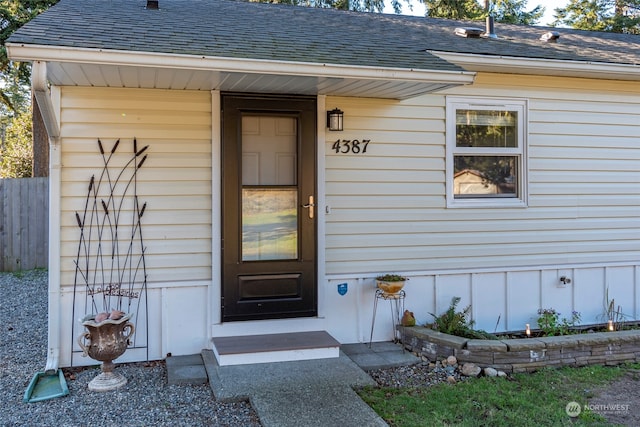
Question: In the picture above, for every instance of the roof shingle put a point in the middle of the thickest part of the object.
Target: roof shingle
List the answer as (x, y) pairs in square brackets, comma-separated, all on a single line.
[(240, 29)]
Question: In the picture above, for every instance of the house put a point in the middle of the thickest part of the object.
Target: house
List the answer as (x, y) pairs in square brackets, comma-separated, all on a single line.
[(260, 219), (468, 181)]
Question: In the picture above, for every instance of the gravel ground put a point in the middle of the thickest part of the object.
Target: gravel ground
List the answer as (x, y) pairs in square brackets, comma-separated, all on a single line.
[(145, 400), (420, 375)]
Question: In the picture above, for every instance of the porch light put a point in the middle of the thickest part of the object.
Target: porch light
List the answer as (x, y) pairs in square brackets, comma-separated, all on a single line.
[(335, 119), (527, 330), (610, 325)]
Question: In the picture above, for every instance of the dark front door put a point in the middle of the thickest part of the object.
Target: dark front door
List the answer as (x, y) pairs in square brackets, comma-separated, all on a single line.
[(268, 220)]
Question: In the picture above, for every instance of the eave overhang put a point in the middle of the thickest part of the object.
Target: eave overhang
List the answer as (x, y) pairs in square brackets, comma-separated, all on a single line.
[(68, 66), (539, 66)]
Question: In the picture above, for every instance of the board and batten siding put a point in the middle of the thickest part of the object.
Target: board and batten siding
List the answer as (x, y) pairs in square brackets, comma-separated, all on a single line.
[(387, 209), (175, 180)]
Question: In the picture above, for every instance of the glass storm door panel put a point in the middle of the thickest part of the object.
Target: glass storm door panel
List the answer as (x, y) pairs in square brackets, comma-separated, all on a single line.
[(269, 190), (268, 226)]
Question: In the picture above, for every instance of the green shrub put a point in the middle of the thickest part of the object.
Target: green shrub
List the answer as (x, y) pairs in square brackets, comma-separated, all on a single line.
[(550, 323), (458, 323)]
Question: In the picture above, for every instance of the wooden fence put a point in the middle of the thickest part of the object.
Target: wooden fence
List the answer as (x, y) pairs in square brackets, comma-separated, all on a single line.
[(24, 223)]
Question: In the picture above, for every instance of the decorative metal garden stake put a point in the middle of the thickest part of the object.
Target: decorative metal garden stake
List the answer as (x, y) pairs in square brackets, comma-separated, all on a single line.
[(110, 266)]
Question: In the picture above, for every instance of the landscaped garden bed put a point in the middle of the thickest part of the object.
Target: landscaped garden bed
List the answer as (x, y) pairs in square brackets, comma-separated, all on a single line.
[(527, 354)]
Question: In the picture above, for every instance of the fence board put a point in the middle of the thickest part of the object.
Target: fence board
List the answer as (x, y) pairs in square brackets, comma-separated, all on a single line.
[(24, 223)]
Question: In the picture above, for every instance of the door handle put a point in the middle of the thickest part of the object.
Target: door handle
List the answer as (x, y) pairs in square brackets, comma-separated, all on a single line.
[(310, 206)]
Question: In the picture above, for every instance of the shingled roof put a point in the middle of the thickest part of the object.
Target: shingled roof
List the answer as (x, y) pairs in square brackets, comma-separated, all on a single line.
[(240, 29), (234, 29), (241, 46)]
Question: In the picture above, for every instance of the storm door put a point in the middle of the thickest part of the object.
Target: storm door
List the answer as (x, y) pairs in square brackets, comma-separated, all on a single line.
[(268, 220)]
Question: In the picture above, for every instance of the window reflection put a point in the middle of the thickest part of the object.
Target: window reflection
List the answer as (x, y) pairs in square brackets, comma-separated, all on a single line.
[(269, 224), (482, 128)]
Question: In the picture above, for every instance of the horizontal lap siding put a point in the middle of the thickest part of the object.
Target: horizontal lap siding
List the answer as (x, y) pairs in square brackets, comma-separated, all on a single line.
[(388, 210), (175, 180)]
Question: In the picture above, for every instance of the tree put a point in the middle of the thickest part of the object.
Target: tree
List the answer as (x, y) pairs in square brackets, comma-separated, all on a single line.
[(453, 9), (508, 11), (355, 5), (16, 155), (617, 16), (513, 12), (13, 15), (15, 97)]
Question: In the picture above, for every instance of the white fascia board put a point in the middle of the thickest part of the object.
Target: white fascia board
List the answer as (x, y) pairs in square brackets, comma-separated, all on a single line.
[(27, 52), (538, 66)]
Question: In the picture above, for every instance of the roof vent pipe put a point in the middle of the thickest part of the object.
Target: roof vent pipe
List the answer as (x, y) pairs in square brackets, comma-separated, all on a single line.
[(489, 32), (152, 4)]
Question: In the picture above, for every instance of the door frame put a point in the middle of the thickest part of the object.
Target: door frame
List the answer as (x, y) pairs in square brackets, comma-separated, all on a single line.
[(214, 309), (292, 281)]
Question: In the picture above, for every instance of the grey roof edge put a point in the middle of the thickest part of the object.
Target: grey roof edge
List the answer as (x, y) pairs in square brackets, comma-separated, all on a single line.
[(541, 66), (44, 53)]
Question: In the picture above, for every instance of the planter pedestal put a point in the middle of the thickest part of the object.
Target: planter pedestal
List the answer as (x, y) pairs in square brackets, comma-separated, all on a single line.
[(107, 380)]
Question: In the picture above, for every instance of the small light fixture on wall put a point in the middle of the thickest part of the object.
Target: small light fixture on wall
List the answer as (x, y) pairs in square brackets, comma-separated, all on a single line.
[(335, 119)]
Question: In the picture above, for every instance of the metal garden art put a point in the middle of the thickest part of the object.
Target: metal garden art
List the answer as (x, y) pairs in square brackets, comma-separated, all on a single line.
[(110, 268)]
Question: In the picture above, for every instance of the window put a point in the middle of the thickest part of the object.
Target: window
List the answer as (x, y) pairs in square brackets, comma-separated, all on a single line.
[(486, 152)]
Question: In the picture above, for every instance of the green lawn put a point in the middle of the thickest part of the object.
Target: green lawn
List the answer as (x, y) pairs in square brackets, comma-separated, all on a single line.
[(537, 399)]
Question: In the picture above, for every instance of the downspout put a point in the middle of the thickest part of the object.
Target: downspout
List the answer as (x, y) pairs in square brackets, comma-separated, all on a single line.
[(42, 94)]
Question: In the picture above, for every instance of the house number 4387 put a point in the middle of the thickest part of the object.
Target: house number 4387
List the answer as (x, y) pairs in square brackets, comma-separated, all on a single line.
[(354, 146)]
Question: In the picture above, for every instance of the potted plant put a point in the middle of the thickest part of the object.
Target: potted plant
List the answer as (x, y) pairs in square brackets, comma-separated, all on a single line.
[(390, 284), (106, 338)]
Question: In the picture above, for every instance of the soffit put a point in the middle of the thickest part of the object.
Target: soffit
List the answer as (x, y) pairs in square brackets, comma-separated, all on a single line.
[(78, 74)]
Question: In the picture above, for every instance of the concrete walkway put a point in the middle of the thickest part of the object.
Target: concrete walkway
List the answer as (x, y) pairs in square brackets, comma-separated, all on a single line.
[(300, 393)]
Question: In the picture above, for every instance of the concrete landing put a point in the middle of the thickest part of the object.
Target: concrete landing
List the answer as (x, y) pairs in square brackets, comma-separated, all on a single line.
[(296, 394), (381, 355), (304, 393)]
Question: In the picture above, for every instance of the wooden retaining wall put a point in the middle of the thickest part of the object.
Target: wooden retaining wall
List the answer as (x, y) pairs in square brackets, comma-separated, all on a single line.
[(528, 354), (24, 223)]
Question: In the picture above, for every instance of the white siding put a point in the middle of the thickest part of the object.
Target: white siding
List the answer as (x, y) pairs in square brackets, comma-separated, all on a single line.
[(175, 181), (387, 207)]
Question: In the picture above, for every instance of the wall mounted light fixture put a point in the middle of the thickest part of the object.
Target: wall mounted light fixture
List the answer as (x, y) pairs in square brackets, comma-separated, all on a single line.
[(335, 119)]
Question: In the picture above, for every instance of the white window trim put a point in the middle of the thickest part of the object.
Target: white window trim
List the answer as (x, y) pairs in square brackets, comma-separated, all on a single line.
[(521, 106)]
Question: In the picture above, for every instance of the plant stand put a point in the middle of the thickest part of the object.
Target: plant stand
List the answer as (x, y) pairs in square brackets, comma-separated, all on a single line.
[(396, 303)]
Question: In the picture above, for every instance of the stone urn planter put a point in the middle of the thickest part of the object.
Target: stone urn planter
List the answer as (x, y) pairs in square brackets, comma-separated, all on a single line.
[(106, 340)]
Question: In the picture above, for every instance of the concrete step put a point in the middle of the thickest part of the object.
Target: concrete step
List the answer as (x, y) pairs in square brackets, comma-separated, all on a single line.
[(186, 370), (249, 349)]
